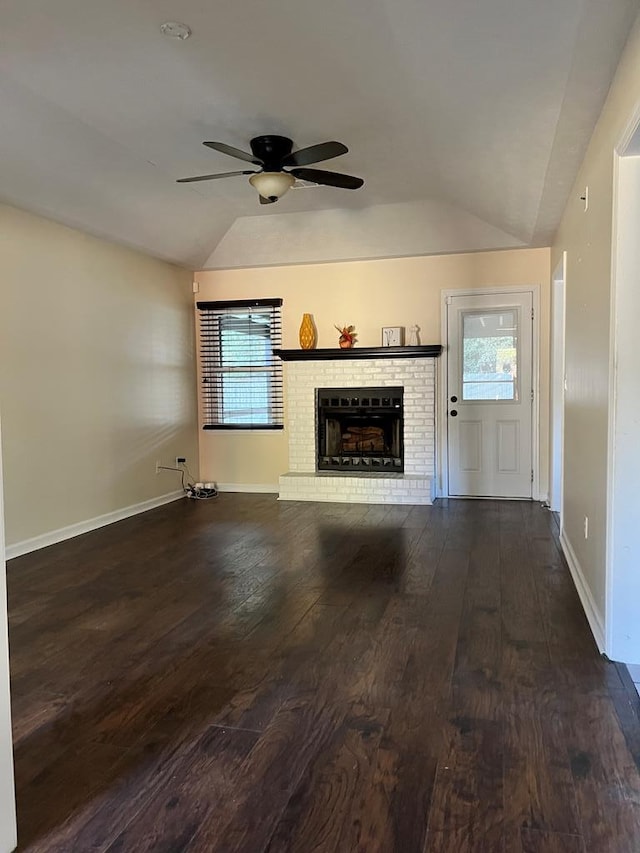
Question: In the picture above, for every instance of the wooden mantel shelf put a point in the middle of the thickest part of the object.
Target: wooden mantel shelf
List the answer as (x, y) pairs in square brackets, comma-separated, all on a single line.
[(426, 351)]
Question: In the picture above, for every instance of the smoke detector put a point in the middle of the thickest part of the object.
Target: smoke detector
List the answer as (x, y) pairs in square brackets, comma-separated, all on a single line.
[(175, 30)]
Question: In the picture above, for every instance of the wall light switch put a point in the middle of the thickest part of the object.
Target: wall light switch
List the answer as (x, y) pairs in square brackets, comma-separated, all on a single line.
[(584, 198)]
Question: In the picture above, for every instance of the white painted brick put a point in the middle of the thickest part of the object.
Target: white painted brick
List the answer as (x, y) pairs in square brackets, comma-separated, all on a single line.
[(418, 378)]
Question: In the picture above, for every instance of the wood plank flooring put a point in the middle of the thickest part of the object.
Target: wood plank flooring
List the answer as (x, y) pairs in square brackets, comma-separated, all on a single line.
[(248, 675)]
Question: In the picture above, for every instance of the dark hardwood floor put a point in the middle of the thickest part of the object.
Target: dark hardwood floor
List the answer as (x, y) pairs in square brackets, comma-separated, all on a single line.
[(248, 675)]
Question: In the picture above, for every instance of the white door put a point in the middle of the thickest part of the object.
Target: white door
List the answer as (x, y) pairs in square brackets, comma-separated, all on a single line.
[(489, 395)]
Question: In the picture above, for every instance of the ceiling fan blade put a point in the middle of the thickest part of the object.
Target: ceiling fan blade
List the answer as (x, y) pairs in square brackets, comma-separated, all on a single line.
[(215, 177), (264, 200), (233, 152), (329, 179), (315, 154)]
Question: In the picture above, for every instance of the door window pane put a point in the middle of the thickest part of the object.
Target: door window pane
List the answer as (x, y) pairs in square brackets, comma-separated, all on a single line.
[(490, 355)]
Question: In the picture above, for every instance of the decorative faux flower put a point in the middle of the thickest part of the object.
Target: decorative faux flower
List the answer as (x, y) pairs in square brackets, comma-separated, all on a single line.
[(347, 334)]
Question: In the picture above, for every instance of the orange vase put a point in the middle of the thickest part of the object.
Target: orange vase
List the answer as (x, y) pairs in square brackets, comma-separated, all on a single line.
[(307, 334), (345, 343)]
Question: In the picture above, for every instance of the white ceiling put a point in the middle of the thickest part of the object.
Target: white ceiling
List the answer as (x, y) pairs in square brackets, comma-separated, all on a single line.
[(476, 110)]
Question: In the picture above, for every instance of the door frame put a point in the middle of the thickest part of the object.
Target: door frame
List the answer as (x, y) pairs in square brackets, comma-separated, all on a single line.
[(442, 439), (8, 827), (557, 387), (616, 579)]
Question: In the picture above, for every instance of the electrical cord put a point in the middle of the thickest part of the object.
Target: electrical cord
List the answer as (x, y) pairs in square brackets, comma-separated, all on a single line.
[(198, 492), (192, 490), (166, 468)]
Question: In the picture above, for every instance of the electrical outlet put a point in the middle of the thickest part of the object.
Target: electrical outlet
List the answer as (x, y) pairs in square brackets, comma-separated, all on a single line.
[(180, 460), (586, 527), (158, 464)]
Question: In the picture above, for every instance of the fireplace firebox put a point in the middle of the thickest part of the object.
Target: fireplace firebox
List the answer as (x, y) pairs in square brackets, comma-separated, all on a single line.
[(360, 429)]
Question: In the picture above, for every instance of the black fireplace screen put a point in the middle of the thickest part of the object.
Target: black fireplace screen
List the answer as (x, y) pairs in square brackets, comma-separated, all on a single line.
[(359, 429)]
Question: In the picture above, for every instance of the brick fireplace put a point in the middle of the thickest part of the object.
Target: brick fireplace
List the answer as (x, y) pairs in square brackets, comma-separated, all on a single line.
[(307, 372)]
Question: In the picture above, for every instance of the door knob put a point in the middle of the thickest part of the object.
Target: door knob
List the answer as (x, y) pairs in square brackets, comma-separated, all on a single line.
[(454, 399), (453, 413)]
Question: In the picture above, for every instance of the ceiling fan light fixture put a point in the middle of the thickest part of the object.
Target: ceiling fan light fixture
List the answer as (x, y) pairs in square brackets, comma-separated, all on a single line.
[(272, 185)]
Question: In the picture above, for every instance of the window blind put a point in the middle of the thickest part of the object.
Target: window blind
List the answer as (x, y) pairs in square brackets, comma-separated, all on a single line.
[(241, 379)]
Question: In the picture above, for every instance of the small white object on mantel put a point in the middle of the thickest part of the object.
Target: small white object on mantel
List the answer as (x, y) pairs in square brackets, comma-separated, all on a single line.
[(392, 336), (414, 338)]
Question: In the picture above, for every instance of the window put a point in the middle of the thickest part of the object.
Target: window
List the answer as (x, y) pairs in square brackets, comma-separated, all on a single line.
[(241, 378), (490, 355)]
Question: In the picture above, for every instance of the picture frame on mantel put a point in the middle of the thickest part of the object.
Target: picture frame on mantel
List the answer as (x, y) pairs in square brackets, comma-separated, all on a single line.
[(393, 336)]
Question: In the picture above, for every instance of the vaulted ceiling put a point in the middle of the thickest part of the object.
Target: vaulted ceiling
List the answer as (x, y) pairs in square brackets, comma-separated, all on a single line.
[(467, 119)]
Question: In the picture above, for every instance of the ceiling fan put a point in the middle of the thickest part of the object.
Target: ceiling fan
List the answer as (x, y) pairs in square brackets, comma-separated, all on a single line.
[(273, 154)]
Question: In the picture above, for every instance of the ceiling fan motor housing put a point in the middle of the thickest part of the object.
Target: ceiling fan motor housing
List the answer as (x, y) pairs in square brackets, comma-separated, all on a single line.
[(271, 150)]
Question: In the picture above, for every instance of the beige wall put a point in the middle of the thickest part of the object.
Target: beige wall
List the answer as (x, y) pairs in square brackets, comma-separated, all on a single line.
[(368, 294), (96, 375), (587, 238)]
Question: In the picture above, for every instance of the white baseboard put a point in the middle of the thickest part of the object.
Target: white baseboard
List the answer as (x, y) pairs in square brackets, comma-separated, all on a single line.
[(53, 536), (249, 488), (594, 617)]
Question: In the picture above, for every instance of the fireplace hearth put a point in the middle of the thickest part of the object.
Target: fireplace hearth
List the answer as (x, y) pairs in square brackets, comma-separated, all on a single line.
[(360, 429)]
